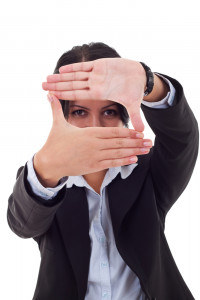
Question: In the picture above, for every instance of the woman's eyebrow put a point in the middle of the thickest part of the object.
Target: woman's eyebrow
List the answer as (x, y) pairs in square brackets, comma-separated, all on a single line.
[(72, 105)]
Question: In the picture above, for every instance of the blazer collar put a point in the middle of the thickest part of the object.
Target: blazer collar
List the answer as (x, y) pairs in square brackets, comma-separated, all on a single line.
[(125, 171)]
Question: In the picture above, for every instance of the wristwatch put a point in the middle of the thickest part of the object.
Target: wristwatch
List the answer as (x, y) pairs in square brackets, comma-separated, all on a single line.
[(150, 79)]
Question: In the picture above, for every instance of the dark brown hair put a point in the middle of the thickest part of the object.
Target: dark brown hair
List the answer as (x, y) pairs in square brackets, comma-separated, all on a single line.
[(89, 52)]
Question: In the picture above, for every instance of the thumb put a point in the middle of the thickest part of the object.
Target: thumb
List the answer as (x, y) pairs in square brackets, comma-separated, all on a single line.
[(56, 107), (136, 120)]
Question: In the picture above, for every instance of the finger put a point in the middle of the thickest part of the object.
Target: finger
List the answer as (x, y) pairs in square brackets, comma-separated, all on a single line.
[(73, 95), (82, 66), (110, 132), (56, 107), (122, 153), (111, 163), (117, 143), (65, 86), (67, 77)]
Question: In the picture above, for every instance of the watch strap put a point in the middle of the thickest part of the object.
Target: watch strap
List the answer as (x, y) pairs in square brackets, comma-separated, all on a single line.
[(150, 79)]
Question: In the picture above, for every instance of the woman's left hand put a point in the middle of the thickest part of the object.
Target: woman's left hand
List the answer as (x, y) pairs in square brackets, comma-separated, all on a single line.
[(116, 79)]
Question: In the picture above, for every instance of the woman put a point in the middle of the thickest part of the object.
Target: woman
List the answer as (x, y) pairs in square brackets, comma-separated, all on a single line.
[(97, 216)]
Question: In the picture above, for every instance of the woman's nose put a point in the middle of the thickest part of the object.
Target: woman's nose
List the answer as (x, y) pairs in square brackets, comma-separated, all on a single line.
[(96, 122)]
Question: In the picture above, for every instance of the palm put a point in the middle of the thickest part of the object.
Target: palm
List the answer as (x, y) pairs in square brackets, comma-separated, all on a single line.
[(116, 79)]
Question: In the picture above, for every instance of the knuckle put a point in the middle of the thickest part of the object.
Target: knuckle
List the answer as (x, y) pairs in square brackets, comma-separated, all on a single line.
[(55, 86), (70, 85), (137, 151), (131, 133), (133, 151), (119, 142), (118, 153)]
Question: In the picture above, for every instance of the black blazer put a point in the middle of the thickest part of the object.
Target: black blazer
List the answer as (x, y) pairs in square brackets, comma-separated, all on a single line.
[(138, 207)]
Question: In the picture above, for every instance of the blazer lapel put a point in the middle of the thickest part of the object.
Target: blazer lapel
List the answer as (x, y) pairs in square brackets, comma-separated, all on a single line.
[(122, 193), (73, 220)]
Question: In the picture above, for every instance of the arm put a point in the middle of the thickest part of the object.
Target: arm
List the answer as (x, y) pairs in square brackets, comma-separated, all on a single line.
[(29, 215), (41, 189), (38, 187), (164, 89), (175, 149)]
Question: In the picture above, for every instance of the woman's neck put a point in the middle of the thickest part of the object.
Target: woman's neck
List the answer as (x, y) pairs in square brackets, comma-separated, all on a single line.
[(95, 179)]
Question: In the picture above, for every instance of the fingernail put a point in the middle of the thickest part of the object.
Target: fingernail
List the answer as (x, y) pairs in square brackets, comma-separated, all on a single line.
[(50, 98), (133, 159), (139, 135), (145, 150), (147, 143)]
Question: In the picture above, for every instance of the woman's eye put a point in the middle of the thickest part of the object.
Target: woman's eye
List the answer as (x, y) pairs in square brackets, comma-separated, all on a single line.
[(78, 112), (111, 112), (82, 113)]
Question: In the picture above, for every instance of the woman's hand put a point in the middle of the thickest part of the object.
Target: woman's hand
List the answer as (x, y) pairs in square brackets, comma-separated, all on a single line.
[(117, 79), (70, 150)]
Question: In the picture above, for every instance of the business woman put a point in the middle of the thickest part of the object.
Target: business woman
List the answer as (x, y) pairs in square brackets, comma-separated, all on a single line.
[(96, 195)]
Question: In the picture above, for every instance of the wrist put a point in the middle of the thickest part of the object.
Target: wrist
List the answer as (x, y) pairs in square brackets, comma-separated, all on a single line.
[(149, 79), (42, 170), (160, 90)]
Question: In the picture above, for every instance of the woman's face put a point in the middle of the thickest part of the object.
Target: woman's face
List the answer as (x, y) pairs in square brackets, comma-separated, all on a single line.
[(94, 113)]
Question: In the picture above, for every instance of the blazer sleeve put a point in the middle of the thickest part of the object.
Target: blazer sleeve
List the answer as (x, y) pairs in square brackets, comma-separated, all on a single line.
[(29, 215), (175, 149)]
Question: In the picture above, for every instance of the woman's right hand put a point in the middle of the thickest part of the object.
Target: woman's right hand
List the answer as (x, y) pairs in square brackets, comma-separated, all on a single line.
[(71, 151)]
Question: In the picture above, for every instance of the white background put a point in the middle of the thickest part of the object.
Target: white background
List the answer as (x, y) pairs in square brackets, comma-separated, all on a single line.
[(163, 34)]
